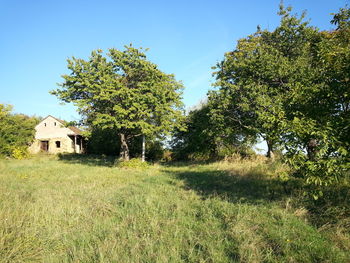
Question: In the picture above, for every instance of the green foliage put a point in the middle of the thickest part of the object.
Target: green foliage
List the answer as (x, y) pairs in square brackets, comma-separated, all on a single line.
[(342, 18), (122, 91), (324, 119), (154, 150), (290, 86), (261, 80), (103, 141), (196, 142), (204, 140), (16, 131)]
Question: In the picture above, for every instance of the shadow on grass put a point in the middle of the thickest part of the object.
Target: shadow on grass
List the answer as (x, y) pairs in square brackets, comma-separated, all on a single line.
[(332, 208), (88, 159), (254, 188), (251, 188)]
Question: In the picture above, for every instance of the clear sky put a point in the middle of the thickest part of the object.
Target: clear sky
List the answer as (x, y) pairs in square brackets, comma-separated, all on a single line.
[(186, 38)]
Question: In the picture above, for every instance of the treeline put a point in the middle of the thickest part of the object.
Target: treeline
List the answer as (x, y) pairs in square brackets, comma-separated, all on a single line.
[(289, 86), (16, 132)]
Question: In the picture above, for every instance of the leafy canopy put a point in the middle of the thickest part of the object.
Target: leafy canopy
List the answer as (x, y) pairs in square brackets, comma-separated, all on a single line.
[(291, 87), (123, 91)]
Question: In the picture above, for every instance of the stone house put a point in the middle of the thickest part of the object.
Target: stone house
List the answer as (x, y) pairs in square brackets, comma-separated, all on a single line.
[(52, 136)]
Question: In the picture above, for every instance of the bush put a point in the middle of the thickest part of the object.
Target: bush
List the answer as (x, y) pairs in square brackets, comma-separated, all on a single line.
[(19, 153), (17, 132)]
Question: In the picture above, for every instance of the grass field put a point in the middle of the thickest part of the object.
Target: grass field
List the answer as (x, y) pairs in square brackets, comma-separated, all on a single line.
[(83, 209)]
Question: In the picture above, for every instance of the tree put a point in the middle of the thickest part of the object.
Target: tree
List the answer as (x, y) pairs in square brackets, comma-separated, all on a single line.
[(291, 87), (124, 92), (196, 139), (261, 79), (207, 137), (16, 130), (334, 56), (328, 125)]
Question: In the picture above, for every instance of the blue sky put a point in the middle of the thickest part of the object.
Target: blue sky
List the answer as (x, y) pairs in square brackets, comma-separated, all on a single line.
[(186, 38)]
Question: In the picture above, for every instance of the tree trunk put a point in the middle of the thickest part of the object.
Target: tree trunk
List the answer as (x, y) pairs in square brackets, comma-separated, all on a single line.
[(124, 148), (270, 153), (143, 148), (311, 149)]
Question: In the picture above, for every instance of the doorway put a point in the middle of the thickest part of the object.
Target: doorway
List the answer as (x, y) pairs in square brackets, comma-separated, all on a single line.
[(44, 146)]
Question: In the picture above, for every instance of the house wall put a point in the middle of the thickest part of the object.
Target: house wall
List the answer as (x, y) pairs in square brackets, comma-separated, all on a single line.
[(52, 130), (48, 130), (66, 145)]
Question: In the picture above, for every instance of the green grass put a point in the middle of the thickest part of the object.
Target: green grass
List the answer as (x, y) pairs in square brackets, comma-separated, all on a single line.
[(83, 209)]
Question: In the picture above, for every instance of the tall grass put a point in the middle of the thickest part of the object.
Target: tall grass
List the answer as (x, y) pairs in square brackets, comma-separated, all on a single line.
[(84, 209)]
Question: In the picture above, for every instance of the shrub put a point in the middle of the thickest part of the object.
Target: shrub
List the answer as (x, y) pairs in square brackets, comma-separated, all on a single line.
[(19, 153), (17, 131)]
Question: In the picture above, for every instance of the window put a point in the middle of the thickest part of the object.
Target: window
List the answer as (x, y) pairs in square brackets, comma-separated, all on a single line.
[(58, 144), (45, 124), (55, 123)]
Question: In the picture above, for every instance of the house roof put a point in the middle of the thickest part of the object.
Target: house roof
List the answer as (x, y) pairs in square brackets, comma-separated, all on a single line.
[(74, 129)]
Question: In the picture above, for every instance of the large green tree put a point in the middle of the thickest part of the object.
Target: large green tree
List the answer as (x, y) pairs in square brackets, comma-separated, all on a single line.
[(123, 91), (319, 120), (261, 80), (291, 87), (334, 56)]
